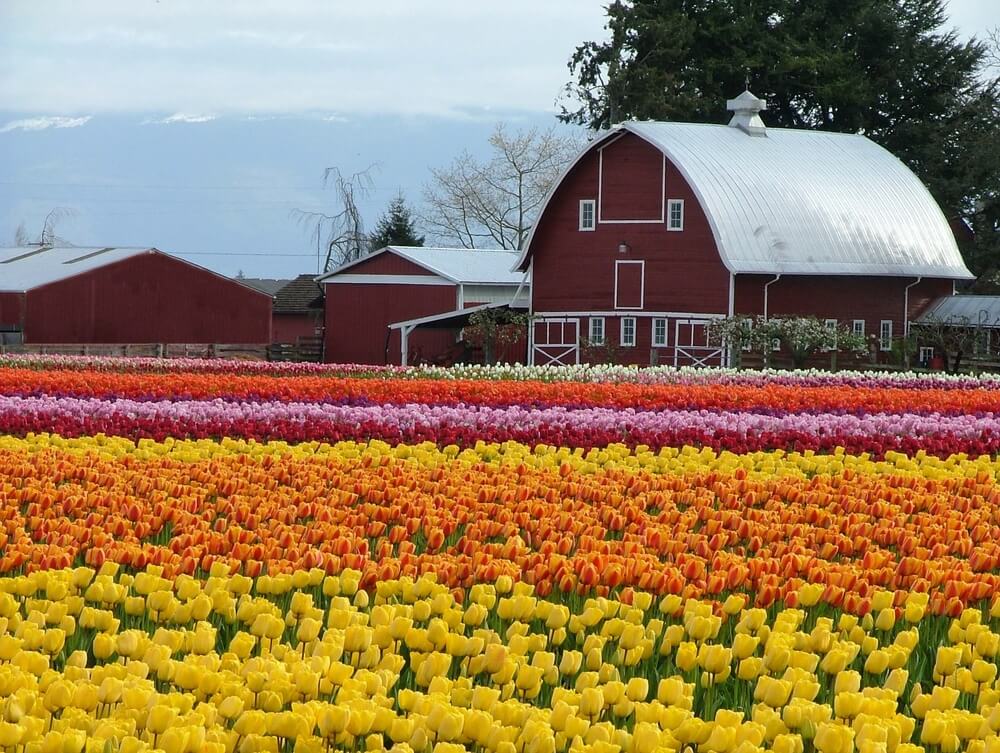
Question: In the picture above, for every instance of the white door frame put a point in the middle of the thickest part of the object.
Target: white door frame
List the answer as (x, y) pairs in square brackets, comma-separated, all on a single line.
[(567, 347), (699, 354)]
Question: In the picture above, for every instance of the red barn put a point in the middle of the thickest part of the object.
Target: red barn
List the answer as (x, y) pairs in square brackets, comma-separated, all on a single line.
[(657, 228), (124, 295), (415, 288)]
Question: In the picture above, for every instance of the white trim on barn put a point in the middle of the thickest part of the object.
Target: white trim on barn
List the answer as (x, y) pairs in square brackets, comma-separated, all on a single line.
[(559, 350), (374, 279), (600, 192), (642, 283)]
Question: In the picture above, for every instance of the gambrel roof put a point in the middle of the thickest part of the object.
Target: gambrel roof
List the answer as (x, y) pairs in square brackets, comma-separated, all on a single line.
[(800, 202)]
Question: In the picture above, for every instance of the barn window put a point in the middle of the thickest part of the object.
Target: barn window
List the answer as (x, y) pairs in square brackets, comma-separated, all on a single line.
[(858, 327), (587, 214), (628, 332), (926, 354), (596, 330), (885, 335), (659, 333), (675, 214)]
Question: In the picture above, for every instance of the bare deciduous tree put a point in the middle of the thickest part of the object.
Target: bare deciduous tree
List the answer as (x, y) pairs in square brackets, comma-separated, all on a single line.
[(493, 204), (340, 237), (47, 236)]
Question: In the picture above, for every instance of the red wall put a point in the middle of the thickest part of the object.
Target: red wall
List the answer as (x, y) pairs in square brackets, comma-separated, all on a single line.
[(151, 298), (574, 270), (11, 308), (631, 180), (287, 328), (358, 317), (386, 264), (842, 298)]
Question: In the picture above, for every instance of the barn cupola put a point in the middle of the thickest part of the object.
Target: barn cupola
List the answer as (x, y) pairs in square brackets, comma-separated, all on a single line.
[(746, 114)]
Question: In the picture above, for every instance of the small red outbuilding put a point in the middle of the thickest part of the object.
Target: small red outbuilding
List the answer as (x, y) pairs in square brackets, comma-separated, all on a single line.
[(124, 295), (402, 284)]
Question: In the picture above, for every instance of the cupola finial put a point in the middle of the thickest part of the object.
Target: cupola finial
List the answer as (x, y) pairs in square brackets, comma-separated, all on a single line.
[(746, 110)]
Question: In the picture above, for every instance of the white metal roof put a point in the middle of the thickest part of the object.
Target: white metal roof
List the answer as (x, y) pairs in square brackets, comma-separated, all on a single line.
[(24, 268), (460, 265), (981, 310), (27, 267), (806, 202)]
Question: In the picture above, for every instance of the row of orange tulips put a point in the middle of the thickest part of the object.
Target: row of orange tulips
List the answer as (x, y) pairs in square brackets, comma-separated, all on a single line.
[(677, 521)]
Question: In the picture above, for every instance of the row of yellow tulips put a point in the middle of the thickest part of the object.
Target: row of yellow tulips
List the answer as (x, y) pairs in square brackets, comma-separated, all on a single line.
[(110, 660)]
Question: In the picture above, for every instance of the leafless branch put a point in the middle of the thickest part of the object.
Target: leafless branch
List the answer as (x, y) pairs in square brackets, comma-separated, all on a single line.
[(340, 236), (494, 203)]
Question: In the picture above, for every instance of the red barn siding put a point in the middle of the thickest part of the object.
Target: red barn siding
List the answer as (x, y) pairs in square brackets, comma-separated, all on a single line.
[(11, 309), (574, 270), (841, 298), (150, 298), (287, 328), (358, 317), (631, 180), (387, 264)]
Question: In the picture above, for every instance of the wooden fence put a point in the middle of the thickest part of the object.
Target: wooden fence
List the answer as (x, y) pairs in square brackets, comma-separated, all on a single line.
[(307, 349)]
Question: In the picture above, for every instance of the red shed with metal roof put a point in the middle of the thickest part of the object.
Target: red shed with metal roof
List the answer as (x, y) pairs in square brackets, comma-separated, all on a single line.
[(124, 295), (402, 284)]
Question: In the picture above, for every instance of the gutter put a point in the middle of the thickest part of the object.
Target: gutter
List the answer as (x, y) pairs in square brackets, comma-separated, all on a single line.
[(906, 306), (766, 286)]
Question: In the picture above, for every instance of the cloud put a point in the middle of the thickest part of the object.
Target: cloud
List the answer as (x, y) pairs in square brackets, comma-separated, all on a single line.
[(289, 57), (180, 117), (41, 123)]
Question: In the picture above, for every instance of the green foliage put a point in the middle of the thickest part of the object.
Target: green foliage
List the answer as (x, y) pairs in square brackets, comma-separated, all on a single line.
[(890, 69), (395, 227), (494, 327)]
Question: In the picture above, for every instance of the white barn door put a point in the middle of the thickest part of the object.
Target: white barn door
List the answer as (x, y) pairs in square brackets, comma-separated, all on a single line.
[(691, 346), (554, 342)]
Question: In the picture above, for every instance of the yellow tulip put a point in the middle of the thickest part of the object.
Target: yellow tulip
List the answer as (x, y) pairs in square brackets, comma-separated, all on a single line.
[(591, 703), (251, 722), (160, 718)]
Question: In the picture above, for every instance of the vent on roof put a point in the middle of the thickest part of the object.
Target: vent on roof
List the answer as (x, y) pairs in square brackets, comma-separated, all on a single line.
[(91, 255), (25, 256), (746, 110)]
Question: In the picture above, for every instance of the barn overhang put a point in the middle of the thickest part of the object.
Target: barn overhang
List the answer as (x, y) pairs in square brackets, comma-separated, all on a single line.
[(456, 319)]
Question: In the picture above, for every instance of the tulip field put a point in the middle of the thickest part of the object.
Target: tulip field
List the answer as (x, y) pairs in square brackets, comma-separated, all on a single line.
[(223, 556)]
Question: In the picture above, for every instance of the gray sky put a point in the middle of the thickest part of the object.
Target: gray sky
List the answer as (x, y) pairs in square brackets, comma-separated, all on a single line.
[(194, 59)]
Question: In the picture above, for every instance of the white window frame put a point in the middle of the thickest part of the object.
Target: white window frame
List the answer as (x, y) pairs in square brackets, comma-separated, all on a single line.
[(748, 343), (671, 203), (775, 345), (593, 215), (622, 341), (925, 354), (595, 339), (885, 335), (858, 327), (660, 320)]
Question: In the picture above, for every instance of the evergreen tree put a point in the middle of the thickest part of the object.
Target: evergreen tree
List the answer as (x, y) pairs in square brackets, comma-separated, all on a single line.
[(395, 227), (889, 69)]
